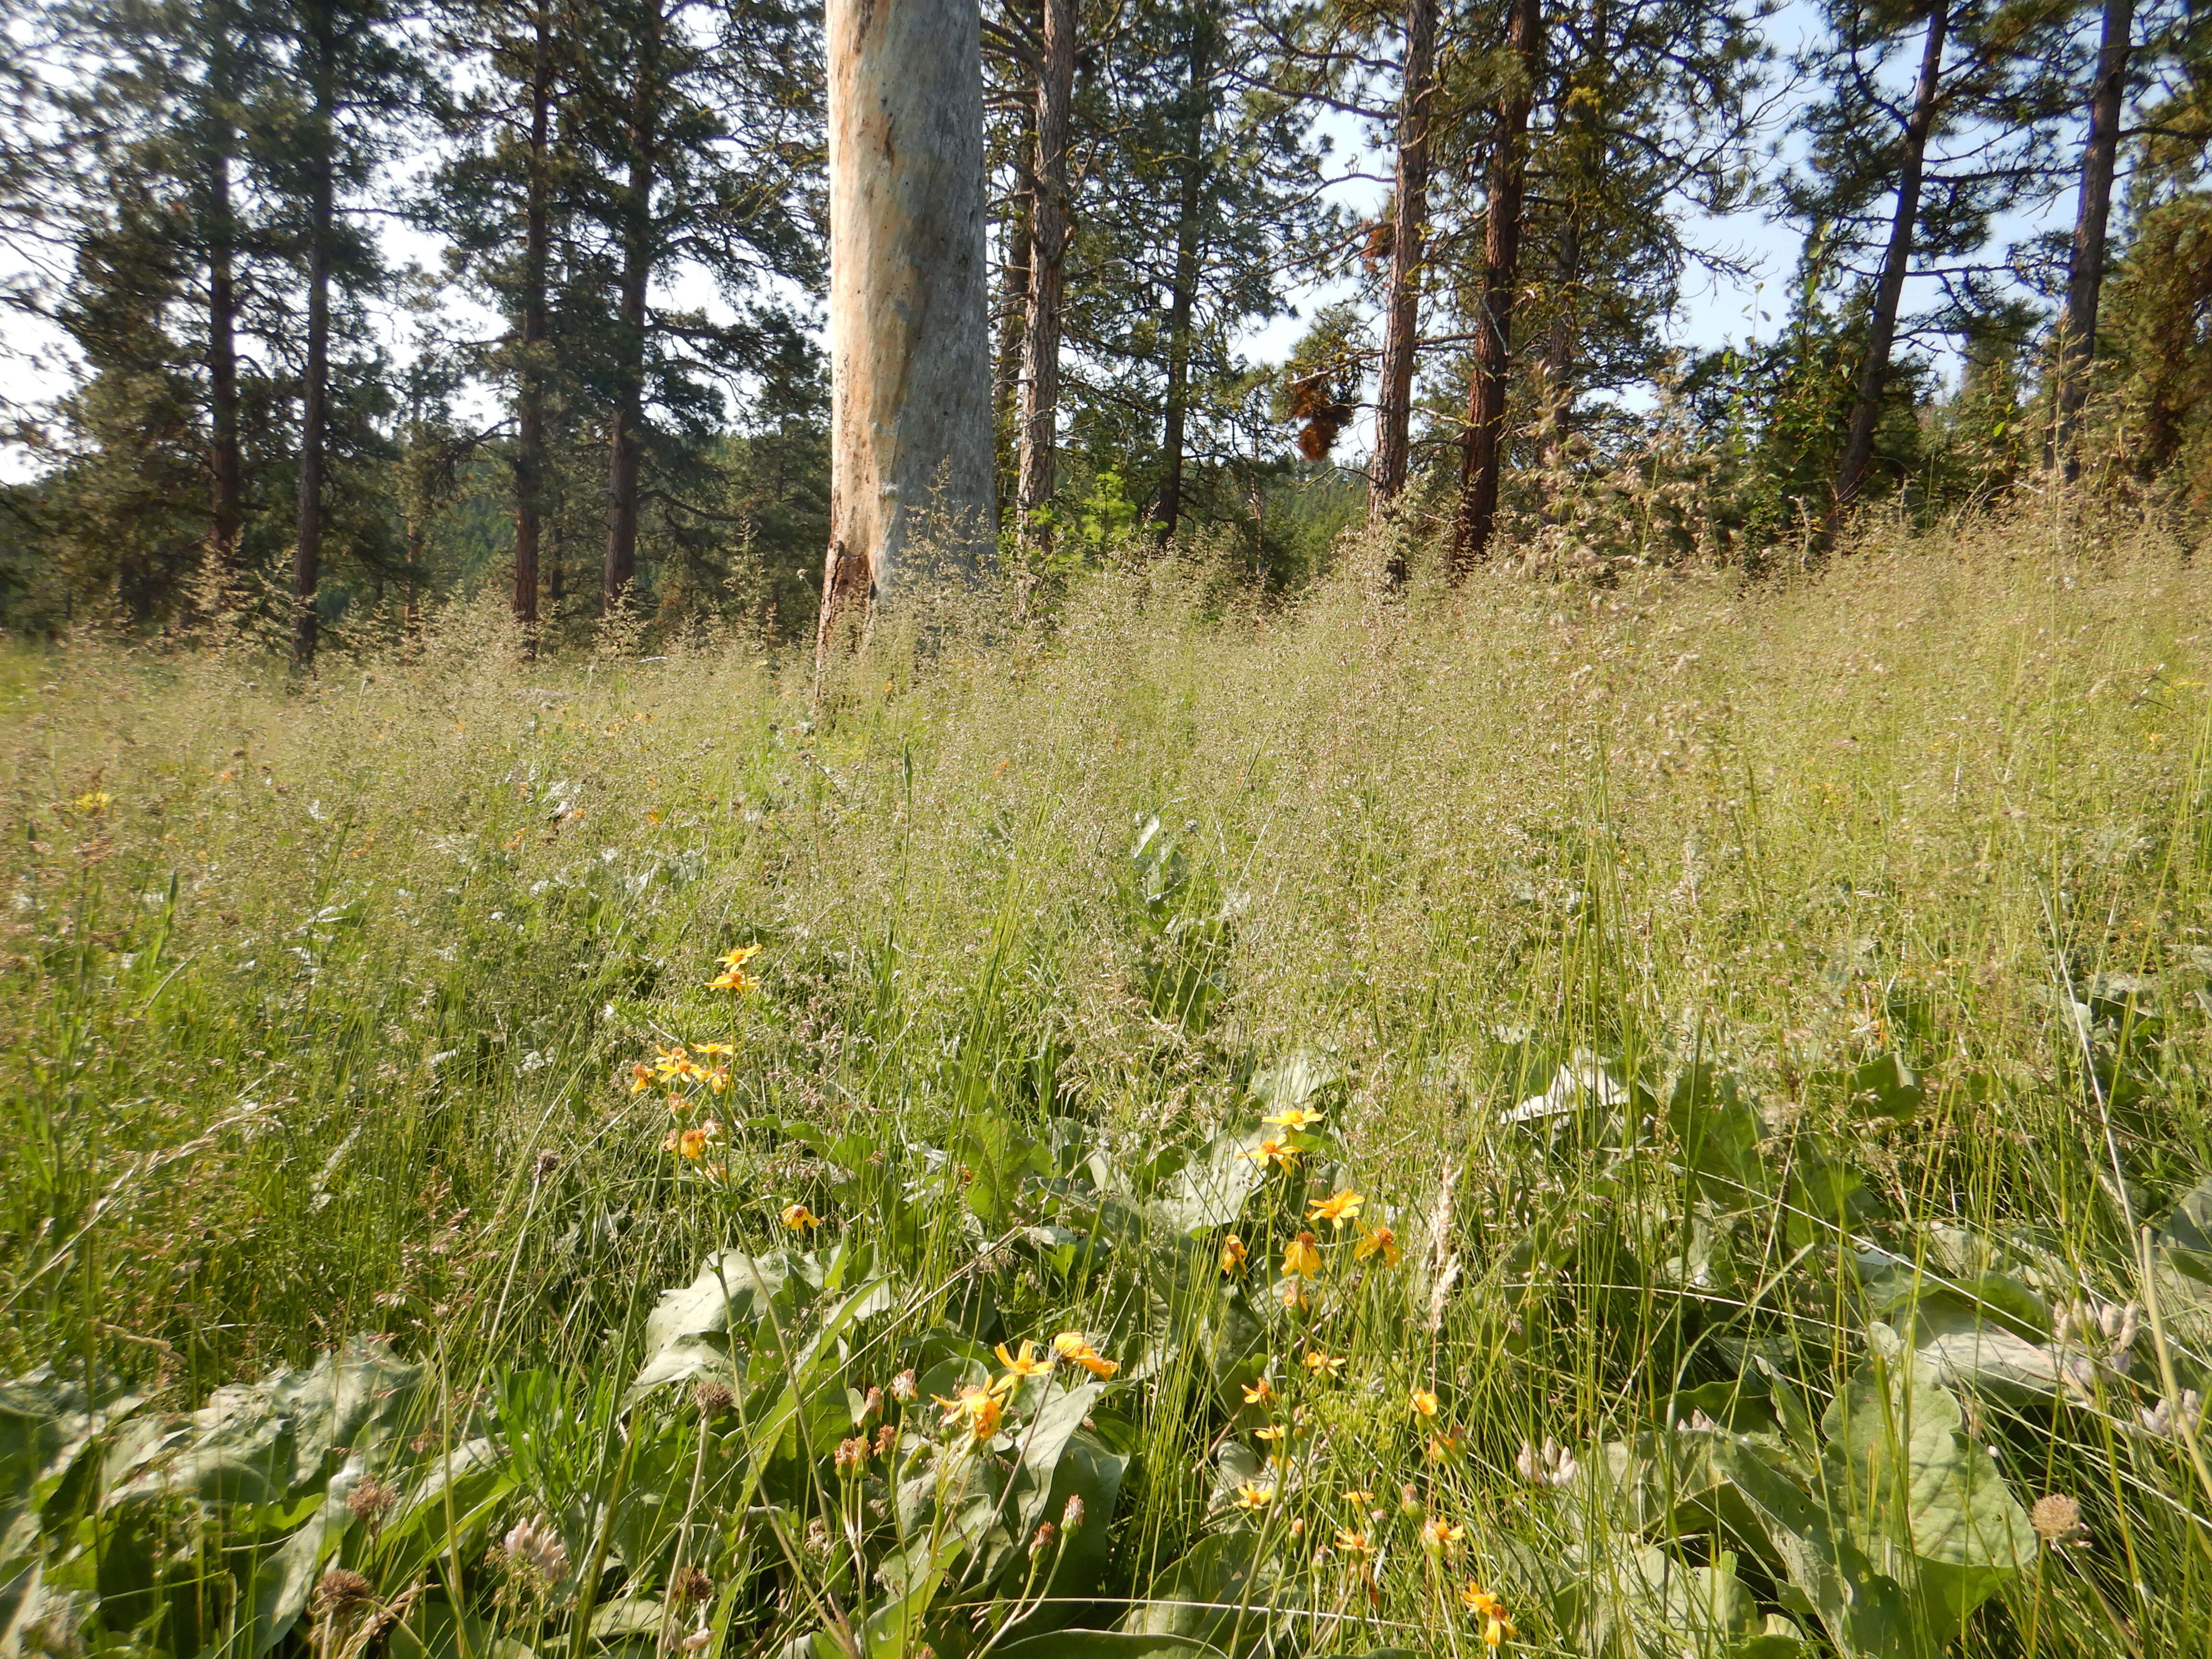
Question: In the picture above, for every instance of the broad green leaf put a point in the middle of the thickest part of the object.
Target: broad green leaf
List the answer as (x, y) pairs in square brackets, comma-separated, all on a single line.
[(1211, 1190), (1924, 1504), (1865, 1612), (688, 1358)]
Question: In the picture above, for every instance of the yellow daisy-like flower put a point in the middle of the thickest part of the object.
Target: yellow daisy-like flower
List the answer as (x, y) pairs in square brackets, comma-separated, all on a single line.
[(1323, 1364), (1074, 1346), (1442, 1448), (1487, 1607), (1293, 1118), (1233, 1254), (1438, 1533), (1423, 1402), (1301, 1257), (1351, 1543), (1027, 1363), (641, 1078), (670, 1062), (714, 1050), (692, 1143), (1291, 1293), (980, 1409), (733, 976), (1281, 1154), (1337, 1208), (718, 1079), (1377, 1241), (1262, 1393), (798, 1218), (1250, 1496), (1271, 1432), (1359, 1498)]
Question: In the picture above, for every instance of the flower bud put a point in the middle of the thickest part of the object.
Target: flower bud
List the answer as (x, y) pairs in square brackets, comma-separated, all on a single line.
[(902, 1388), (1046, 1533), (1071, 1513)]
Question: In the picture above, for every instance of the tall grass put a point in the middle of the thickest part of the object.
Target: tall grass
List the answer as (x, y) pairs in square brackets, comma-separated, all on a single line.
[(321, 1000)]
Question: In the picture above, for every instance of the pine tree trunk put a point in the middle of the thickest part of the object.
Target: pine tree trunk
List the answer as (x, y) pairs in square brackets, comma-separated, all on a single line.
[(1049, 227), (909, 301), (1484, 453), (1182, 305), (2085, 271), (226, 514), (1401, 339), (626, 455), (530, 381), (1017, 253), (314, 389), (1896, 261), (225, 471)]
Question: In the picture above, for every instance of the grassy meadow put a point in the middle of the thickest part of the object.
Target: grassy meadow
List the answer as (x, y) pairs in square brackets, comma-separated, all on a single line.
[(1658, 1120)]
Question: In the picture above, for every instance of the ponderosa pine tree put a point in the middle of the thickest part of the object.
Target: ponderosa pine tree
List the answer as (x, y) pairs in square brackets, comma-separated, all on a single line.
[(697, 128), (326, 122), (1913, 178)]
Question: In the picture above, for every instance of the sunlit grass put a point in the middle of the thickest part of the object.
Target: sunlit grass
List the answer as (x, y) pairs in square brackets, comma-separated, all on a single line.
[(322, 1005)]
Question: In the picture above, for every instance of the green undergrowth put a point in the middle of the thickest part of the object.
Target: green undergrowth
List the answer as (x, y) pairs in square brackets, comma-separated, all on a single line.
[(1659, 1120)]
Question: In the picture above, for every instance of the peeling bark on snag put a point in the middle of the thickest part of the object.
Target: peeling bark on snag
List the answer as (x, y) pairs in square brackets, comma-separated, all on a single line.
[(911, 424)]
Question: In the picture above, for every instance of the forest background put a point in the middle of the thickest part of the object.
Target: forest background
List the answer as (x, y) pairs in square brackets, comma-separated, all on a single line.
[(602, 390)]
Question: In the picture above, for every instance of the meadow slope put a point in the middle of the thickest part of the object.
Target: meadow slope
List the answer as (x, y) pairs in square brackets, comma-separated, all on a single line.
[(1677, 1111)]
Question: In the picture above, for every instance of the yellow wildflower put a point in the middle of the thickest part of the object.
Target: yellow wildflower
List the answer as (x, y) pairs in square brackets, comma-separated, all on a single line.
[(1300, 1257), (1232, 1255), (718, 1079), (670, 1062), (94, 802), (692, 1143), (1293, 1118), (1487, 1607), (1337, 1208), (1323, 1364), (1438, 1533), (1291, 1293), (1352, 1543), (1359, 1498), (979, 1408), (1377, 1241), (798, 1218), (1020, 1365), (1262, 1393), (1422, 1402), (1282, 1154), (733, 976), (641, 1078), (1253, 1497), (1442, 1447), (714, 1050), (1271, 1431), (1073, 1345)]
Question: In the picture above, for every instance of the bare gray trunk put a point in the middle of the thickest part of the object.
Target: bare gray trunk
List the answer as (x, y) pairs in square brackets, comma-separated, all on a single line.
[(909, 305)]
